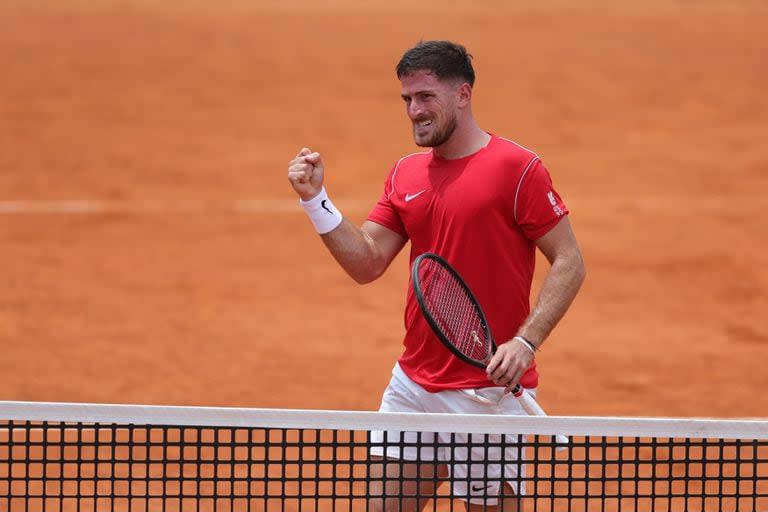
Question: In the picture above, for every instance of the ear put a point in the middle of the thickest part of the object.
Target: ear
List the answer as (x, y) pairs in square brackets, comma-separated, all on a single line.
[(464, 95)]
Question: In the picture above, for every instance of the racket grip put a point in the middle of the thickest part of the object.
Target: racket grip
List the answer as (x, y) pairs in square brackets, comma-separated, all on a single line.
[(532, 407)]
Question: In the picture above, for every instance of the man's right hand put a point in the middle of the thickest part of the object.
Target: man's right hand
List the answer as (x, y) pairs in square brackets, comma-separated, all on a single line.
[(305, 172)]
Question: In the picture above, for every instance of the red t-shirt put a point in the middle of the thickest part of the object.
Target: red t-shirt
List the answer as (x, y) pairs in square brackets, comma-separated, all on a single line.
[(482, 213)]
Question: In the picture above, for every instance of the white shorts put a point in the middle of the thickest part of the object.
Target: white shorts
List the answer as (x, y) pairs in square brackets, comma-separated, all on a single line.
[(477, 478)]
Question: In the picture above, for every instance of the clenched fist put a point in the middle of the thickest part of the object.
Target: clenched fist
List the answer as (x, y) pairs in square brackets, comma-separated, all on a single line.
[(305, 172)]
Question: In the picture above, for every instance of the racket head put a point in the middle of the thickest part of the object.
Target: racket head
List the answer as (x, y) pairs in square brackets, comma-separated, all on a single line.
[(451, 309)]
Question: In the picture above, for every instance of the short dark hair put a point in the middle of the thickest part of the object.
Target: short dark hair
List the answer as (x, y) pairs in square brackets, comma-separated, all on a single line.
[(444, 59)]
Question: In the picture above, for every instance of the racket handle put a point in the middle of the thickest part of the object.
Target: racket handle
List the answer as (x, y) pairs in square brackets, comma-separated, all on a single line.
[(532, 407)]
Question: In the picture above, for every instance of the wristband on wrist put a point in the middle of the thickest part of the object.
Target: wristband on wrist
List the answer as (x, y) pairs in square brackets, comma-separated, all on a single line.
[(530, 346), (322, 212)]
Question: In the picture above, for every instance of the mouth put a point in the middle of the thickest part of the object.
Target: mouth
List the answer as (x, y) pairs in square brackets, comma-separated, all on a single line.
[(423, 124)]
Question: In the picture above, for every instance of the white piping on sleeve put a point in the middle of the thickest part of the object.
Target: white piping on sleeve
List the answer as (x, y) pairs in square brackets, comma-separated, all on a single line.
[(520, 146), (397, 168), (520, 182)]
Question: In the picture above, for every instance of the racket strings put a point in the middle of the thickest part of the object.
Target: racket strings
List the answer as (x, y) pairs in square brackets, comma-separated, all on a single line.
[(454, 311)]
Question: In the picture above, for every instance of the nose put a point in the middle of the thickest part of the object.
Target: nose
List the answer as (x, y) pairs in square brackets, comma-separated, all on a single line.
[(414, 109)]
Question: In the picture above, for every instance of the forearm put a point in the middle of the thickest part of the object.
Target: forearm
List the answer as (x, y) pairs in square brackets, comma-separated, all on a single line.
[(356, 251), (560, 287), (363, 252)]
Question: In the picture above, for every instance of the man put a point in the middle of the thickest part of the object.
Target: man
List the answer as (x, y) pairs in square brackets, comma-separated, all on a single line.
[(483, 203)]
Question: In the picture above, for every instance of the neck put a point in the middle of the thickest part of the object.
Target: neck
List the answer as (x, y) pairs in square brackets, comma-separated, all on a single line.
[(464, 142)]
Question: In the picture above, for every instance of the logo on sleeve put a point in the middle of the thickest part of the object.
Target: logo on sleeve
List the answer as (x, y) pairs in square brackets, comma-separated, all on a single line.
[(555, 207)]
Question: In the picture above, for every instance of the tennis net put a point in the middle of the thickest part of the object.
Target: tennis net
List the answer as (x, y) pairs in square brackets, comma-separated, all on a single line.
[(89, 457)]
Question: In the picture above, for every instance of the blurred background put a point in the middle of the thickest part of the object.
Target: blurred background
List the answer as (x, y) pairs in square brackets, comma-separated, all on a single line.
[(152, 251)]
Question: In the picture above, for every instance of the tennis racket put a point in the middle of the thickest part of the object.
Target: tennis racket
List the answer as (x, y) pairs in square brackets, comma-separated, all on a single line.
[(457, 319)]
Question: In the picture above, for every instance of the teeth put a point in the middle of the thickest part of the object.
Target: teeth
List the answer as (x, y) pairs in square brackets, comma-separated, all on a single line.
[(425, 123)]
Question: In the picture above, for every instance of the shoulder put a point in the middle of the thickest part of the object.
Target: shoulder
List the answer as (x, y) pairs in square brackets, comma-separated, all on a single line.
[(413, 160), (510, 159), (513, 153), (408, 166)]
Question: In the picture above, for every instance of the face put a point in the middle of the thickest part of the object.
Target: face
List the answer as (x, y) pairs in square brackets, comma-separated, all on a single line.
[(431, 105)]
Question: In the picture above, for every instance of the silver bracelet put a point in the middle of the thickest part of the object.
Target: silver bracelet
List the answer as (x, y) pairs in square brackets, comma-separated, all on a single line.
[(530, 346)]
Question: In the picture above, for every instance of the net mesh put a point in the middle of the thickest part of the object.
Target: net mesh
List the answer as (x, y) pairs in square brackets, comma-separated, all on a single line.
[(128, 464), (449, 305)]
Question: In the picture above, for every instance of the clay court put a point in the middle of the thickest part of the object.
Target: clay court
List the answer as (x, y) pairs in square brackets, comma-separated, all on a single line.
[(153, 252)]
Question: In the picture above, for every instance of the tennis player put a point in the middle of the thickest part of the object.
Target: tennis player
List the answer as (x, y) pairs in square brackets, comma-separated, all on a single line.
[(485, 204)]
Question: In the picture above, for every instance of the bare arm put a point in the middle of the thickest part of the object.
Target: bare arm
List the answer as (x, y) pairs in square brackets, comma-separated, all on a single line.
[(565, 276), (363, 252), (561, 284)]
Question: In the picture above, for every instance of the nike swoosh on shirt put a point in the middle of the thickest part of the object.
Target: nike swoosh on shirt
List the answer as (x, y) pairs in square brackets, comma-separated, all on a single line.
[(409, 197)]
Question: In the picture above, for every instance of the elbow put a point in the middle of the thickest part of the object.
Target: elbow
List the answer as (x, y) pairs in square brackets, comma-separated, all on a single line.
[(365, 276), (363, 279), (371, 271)]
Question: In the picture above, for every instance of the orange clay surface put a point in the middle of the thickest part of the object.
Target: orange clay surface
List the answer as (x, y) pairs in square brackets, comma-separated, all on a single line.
[(191, 277)]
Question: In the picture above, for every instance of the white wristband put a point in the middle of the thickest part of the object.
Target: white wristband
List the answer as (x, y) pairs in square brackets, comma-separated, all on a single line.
[(322, 212)]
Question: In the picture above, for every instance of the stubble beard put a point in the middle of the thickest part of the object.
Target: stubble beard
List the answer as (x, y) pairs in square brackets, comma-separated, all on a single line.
[(440, 136)]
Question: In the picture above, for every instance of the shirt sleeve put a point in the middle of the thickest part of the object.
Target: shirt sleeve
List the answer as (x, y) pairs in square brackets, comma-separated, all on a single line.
[(385, 213), (538, 207)]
